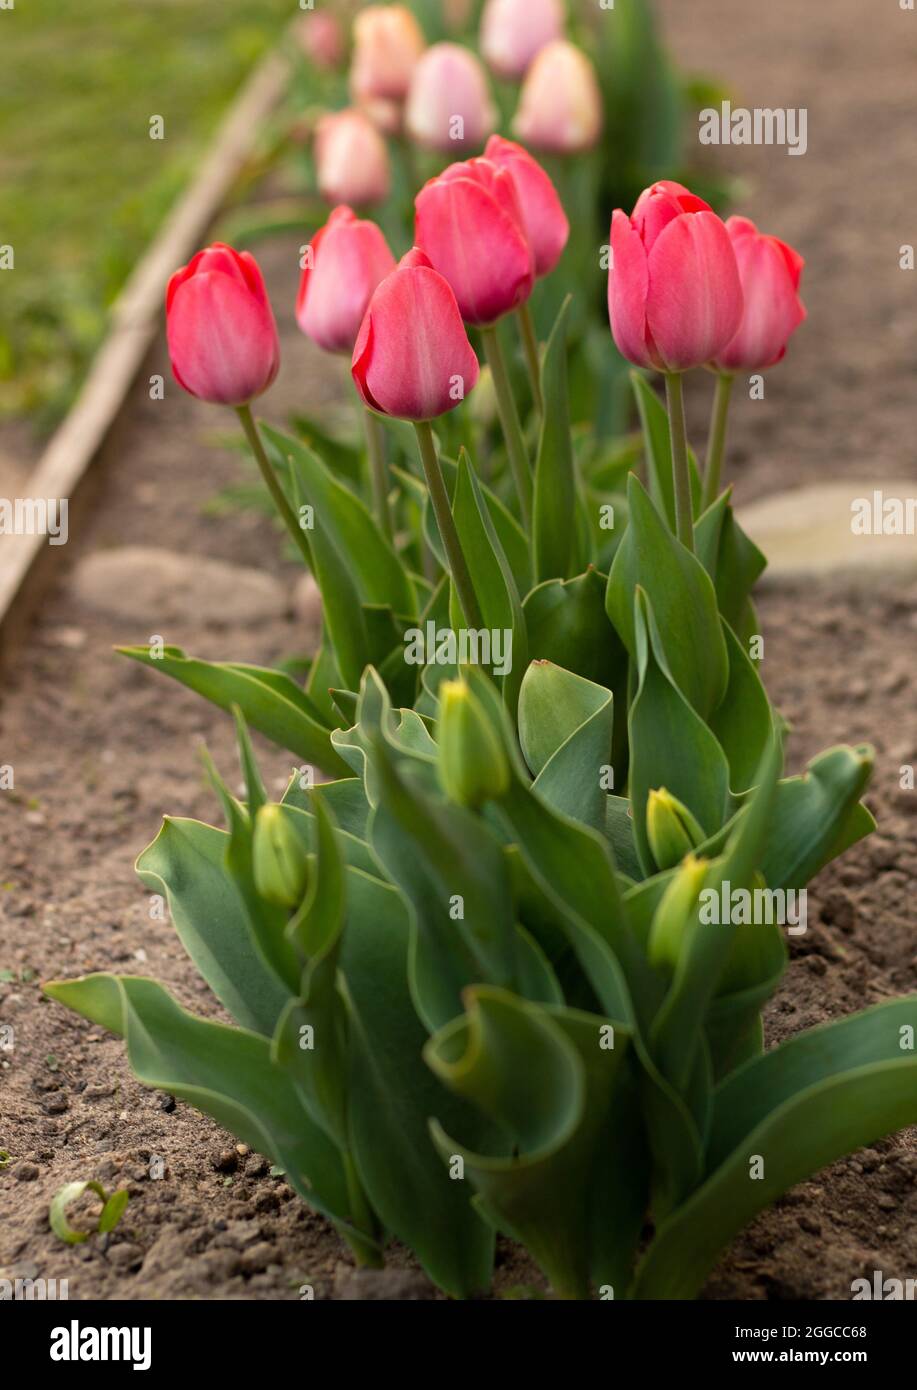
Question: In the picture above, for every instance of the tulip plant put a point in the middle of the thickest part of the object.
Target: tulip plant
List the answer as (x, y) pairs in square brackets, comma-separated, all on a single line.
[(505, 972)]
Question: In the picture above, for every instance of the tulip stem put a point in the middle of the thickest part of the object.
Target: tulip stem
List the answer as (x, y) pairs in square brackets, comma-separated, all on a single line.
[(716, 445), (375, 448), (509, 419), (684, 512), (278, 495), (439, 499), (532, 355)]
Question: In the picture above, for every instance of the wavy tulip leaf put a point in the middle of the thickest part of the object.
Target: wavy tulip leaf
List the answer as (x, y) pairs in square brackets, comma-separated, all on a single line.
[(817, 816), (670, 744), (226, 1072), (553, 528), (186, 864), (512, 538), (802, 1105), (546, 1078), (271, 702), (565, 728), (393, 1094), (732, 560), (345, 798), (742, 723), (683, 600)]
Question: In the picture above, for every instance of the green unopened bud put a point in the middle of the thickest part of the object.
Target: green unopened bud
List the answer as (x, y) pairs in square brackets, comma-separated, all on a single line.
[(472, 762), (483, 403), (670, 828), (279, 858), (676, 912)]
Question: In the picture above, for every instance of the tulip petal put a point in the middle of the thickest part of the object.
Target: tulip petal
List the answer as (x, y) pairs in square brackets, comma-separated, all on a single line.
[(222, 340), (628, 283), (694, 301), (478, 247)]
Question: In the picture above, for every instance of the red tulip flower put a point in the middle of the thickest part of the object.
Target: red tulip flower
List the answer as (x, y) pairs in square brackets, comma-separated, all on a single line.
[(345, 261), (770, 272), (470, 224), (543, 217), (674, 295), (220, 327), (412, 357)]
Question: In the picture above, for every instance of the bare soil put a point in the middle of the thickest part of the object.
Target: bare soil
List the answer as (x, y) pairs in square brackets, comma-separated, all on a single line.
[(102, 748)]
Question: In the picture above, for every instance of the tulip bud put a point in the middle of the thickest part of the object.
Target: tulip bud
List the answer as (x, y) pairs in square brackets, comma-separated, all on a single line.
[(351, 160), (560, 107), (671, 829), (674, 296), (220, 327), (514, 31), (344, 263), (543, 217), (387, 44), (279, 860), (449, 107), (473, 767), (321, 38), (676, 914), (770, 272), (469, 223), (412, 357)]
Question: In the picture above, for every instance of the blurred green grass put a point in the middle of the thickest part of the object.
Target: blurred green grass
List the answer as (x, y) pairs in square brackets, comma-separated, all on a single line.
[(83, 185)]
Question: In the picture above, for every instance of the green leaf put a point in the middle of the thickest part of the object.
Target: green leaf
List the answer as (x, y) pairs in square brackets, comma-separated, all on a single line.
[(553, 527), (565, 728), (546, 1078), (270, 701), (512, 538), (683, 601), (110, 1215), (226, 1072), (734, 563), (802, 1105), (186, 863), (817, 816), (658, 451), (742, 723)]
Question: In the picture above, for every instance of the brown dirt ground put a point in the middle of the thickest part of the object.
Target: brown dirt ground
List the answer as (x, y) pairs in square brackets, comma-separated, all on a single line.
[(102, 748)]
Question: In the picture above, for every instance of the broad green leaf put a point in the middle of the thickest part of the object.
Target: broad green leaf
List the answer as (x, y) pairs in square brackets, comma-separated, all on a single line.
[(510, 534), (813, 1099), (817, 816), (226, 1072), (565, 728), (185, 863), (270, 701), (683, 601), (733, 562), (553, 528), (742, 723), (345, 799), (546, 1078)]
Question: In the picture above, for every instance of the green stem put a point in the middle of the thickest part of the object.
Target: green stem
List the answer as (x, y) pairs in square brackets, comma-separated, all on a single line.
[(439, 499), (532, 356), (716, 445), (509, 419), (366, 1251), (375, 448), (244, 413), (684, 514)]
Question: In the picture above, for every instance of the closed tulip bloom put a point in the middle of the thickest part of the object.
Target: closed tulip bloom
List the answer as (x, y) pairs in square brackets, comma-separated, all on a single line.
[(560, 107), (351, 160), (470, 224), (321, 38), (412, 358), (345, 261), (449, 106), (220, 327), (514, 31), (387, 44), (543, 217), (674, 296), (770, 272)]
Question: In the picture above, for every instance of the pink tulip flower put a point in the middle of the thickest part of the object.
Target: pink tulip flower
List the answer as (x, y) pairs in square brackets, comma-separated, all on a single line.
[(387, 45), (351, 160), (513, 32), (470, 224), (412, 357), (770, 272), (321, 38), (674, 295), (545, 221), (560, 107), (344, 263), (220, 327), (449, 106)]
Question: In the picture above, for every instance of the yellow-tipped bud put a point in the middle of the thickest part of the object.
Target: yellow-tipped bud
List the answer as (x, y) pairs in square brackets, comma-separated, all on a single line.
[(280, 863), (676, 913), (670, 828), (473, 767)]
